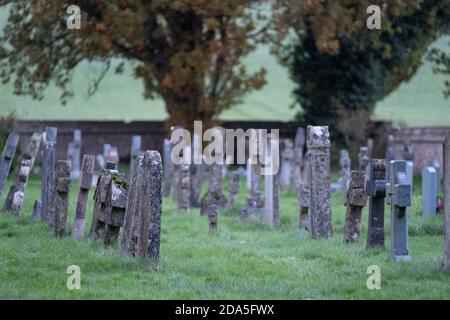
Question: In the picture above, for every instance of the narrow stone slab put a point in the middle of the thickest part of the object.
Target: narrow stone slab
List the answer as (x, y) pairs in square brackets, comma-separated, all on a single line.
[(74, 154), (287, 156), (447, 202), (364, 158), (61, 201), (48, 174), (346, 169), (299, 146), (355, 200), (234, 188), (304, 200), (7, 158), (271, 187), (215, 193), (135, 150), (429, 191), (184, 188)]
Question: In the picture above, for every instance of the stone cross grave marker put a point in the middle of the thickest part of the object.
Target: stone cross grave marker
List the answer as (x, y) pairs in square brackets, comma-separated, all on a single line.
[(7, 158), (48, 174), (234, 188), (286, 164), (429, 191), (398, 193), (16, 194), (346, 169), (376, 190), (135, 151), (318, 144), (87, 172), (355, 200), (447, 202), (61, 201)]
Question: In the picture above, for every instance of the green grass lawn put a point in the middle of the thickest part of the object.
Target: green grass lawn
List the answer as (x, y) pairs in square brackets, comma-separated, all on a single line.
[(239, 262)]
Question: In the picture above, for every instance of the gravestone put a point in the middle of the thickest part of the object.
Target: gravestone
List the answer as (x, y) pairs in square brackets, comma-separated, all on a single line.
[(7, 158), (61, 201), (16, 194), (253, 210), (408, 155), (437, 166), (74, 154), (304, 199), (87, 172), (234, 187), (142, 225), (447, 202), (135, 150), (271, 187), (100, 161), (167, 151), (37, 209), (113, 155), (389, 152), (213, 217), (346, 169), (106, 149), (184, 187), (48, 175), (364, 158), (370, 144), (169, 169), (429, 191), (318, 144), (287, 156), (398, 193), (249, 174), (110, 204), (376, 190), (355, 200), (215, 193), (299, 146)]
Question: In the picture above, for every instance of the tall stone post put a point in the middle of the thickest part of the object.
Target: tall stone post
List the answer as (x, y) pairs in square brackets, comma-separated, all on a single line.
[(74, 154), (61, 201), (184, 188), (364, 158), (346, 169), (447, 202), (87, 172), (135, 150), (169, 169), (376, 190), (355, 200), (16, 194), (48, 175), (398, 193), (429, 191), (304, 199), (299, 146), (215, 193), (233, 188), (389, 152), (286, 164), (271, 187), (253, 210), (318, 144), (7, 158)]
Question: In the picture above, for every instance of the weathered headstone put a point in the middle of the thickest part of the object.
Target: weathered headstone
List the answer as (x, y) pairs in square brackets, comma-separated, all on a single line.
[(37, 209), (376, 190), (346, 169), (364, 158), (318, 144), (169, 169), (429, 191), (106, 149), (74, 154), (389, 152), (61, 201), (7, 158), (215, 193), (304, 200), (113, 155), (299, 146), (184, 188), (253, 210), (234, 188), (355, 200), (135, 151), (271, 187), (16, 194), (249, 174), (213, 217), (48, 175), (287, 156), (437, 166), (447, 202), (142, 225), (398, 193), (87, 171)]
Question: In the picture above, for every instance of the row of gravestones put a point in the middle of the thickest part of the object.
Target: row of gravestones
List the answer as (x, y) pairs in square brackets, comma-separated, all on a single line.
[(134, 206)]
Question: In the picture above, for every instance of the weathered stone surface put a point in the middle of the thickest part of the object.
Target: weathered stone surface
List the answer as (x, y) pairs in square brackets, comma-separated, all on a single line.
[(429, 191), (37, 209), (304, 200), (355, 200), (346, 169), (364, 158), (7, 158), (61, 201), (213, 217), (389, 152), (184, 188), (103, 182), (16, 194), (287, 156), (74, 154), (195, 184), (233, 188), (142, 226), (48, 175), (318, 144), (447, 202), (87, 172), (299, 146), (271, 187), (254, 208), (113, 155), (376, 190), (398, 193), (135, 150), (215, 193)]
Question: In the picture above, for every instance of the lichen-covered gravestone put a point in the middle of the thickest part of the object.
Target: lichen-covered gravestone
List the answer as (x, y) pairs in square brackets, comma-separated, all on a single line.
[(447, 202), (16, 194), (233, 188), (376, 190), (318, 144), (61, 201), (48, 175), (142, 224), (355, 200), (87, 172), (304, 199), (364, 158), (7, 158), (346, 169), (429, 191), (398, 193)]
